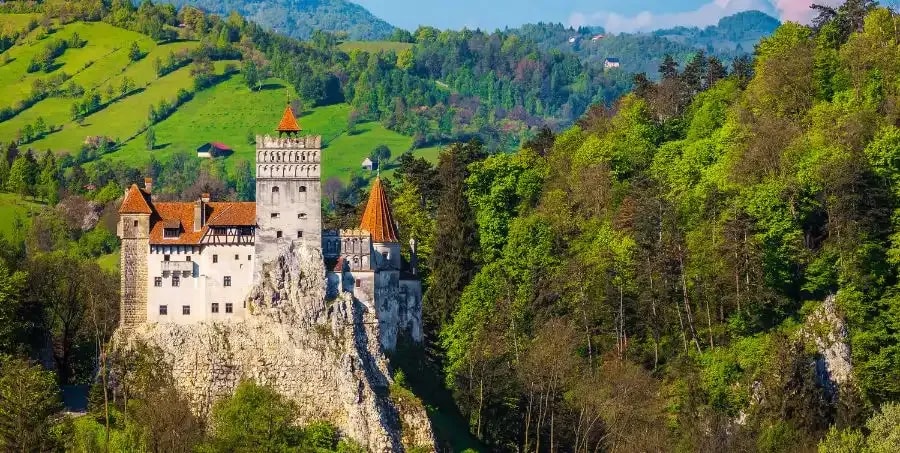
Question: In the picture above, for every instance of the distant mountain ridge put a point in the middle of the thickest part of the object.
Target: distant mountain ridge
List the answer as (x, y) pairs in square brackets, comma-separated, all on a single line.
[(299, 18), (733, 36)]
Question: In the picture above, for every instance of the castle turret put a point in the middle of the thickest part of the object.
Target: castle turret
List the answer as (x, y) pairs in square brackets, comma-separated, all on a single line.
[(379, 222), (134, 230), (288, 189)]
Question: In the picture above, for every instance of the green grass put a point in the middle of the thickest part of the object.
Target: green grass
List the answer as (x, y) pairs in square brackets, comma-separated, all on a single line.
[(227, 112), (15, 213), (102, 41), (15, 22), (109, 262), (374, 46)]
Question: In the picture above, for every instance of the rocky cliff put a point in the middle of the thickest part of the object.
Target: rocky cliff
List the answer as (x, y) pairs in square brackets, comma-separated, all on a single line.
[(323, 354)]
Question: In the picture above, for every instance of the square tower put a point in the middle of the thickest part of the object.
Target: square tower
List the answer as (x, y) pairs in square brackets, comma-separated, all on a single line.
[(288, 189)]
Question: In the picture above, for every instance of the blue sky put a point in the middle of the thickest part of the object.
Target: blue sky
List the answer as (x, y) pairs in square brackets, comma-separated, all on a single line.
[(614, 15)]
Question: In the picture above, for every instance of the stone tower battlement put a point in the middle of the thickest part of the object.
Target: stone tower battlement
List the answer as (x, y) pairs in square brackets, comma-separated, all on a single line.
[(267, 142)]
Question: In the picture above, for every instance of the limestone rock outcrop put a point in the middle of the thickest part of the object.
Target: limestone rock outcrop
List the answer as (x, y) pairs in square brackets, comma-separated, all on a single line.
[(323, 354)]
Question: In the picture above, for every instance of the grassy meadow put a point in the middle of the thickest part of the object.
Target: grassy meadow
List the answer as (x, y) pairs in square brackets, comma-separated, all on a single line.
[(228, 112)]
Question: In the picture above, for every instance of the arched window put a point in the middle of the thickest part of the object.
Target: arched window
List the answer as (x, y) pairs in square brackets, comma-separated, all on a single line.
[(302, 189), (275, 195)]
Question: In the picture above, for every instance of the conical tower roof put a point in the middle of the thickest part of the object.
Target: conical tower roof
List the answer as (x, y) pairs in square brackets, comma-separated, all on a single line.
[(378, 219), (135, 202), (288, 123)]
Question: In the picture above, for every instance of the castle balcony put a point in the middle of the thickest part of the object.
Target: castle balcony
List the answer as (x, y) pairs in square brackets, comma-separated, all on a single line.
[(178, 266)]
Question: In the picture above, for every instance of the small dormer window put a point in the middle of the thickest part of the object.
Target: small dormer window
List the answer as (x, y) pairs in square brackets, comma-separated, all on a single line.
[(170, 233)]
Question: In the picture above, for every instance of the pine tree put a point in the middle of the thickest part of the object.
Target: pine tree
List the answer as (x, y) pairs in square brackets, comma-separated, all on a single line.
[(22, 175), (715, 71), (669, 68), (455, 239)]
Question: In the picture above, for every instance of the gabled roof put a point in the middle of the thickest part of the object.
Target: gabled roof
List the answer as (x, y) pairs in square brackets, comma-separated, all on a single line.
[(218, 213), (377, 218), (288, 121), (135, 202), (222, 213)]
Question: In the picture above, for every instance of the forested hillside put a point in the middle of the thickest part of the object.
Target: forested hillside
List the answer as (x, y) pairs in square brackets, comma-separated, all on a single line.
[(300, 18), (733, 37), (653, 279)]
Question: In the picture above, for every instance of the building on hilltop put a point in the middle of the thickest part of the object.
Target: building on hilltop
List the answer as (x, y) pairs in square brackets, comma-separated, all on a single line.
[(611, 63), (188, 262)]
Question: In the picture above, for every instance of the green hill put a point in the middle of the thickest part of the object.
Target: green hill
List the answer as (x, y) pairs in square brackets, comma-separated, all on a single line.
[(227, 112), (300, 18)]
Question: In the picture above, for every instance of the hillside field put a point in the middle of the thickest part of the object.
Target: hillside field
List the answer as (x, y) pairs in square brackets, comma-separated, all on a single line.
[(228, 112), (15, 213)]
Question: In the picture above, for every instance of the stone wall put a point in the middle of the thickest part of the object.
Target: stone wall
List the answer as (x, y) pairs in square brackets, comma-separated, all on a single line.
[(134, 229), (325, 356)]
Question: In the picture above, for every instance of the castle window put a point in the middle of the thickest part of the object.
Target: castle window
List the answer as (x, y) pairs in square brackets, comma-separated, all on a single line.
[(185, 309), (384, 255), (227, 280), (135, 223), (229, 307), (188, 258), (302, 189), (166, 257), (358, 283), (176, 281), (220, 231), (249, 257), (245, 231), (274, 215), (275, 195), (163, 310), (237, 257), (299, 234), (278, 234), (215, 307), (302, 215), (157, 281), (170, 233), (215, 258)]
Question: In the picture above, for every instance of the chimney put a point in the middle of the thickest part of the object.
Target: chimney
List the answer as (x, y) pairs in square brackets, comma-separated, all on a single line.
[(198, 216), (148, 185)]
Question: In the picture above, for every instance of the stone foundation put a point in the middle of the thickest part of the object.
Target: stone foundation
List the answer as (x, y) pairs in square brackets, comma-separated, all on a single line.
[(325, 356)]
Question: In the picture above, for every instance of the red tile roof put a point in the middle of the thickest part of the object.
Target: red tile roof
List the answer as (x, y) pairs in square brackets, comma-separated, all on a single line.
[(377, 218), (218, 213), (136, 202), (231, 213), (288, 121)]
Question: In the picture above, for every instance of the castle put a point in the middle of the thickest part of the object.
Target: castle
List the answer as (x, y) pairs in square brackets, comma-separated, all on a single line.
[(192, 262)]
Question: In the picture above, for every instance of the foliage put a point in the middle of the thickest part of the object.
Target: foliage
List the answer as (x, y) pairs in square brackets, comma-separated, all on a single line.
[(29, 397)]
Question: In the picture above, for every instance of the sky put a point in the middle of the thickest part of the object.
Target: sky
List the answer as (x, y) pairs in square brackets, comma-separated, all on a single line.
[(614, 15)]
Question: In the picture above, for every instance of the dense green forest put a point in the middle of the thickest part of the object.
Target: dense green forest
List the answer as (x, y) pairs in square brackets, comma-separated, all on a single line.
[(299, 19), (648, 279)]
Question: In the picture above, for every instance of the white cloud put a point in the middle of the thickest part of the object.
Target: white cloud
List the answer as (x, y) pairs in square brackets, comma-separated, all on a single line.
[(706, 14)]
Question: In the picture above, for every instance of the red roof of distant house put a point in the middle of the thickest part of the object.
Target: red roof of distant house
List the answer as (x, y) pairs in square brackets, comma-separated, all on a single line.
[(378, 219), (220, 146), (136, 202), (288, 121)]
